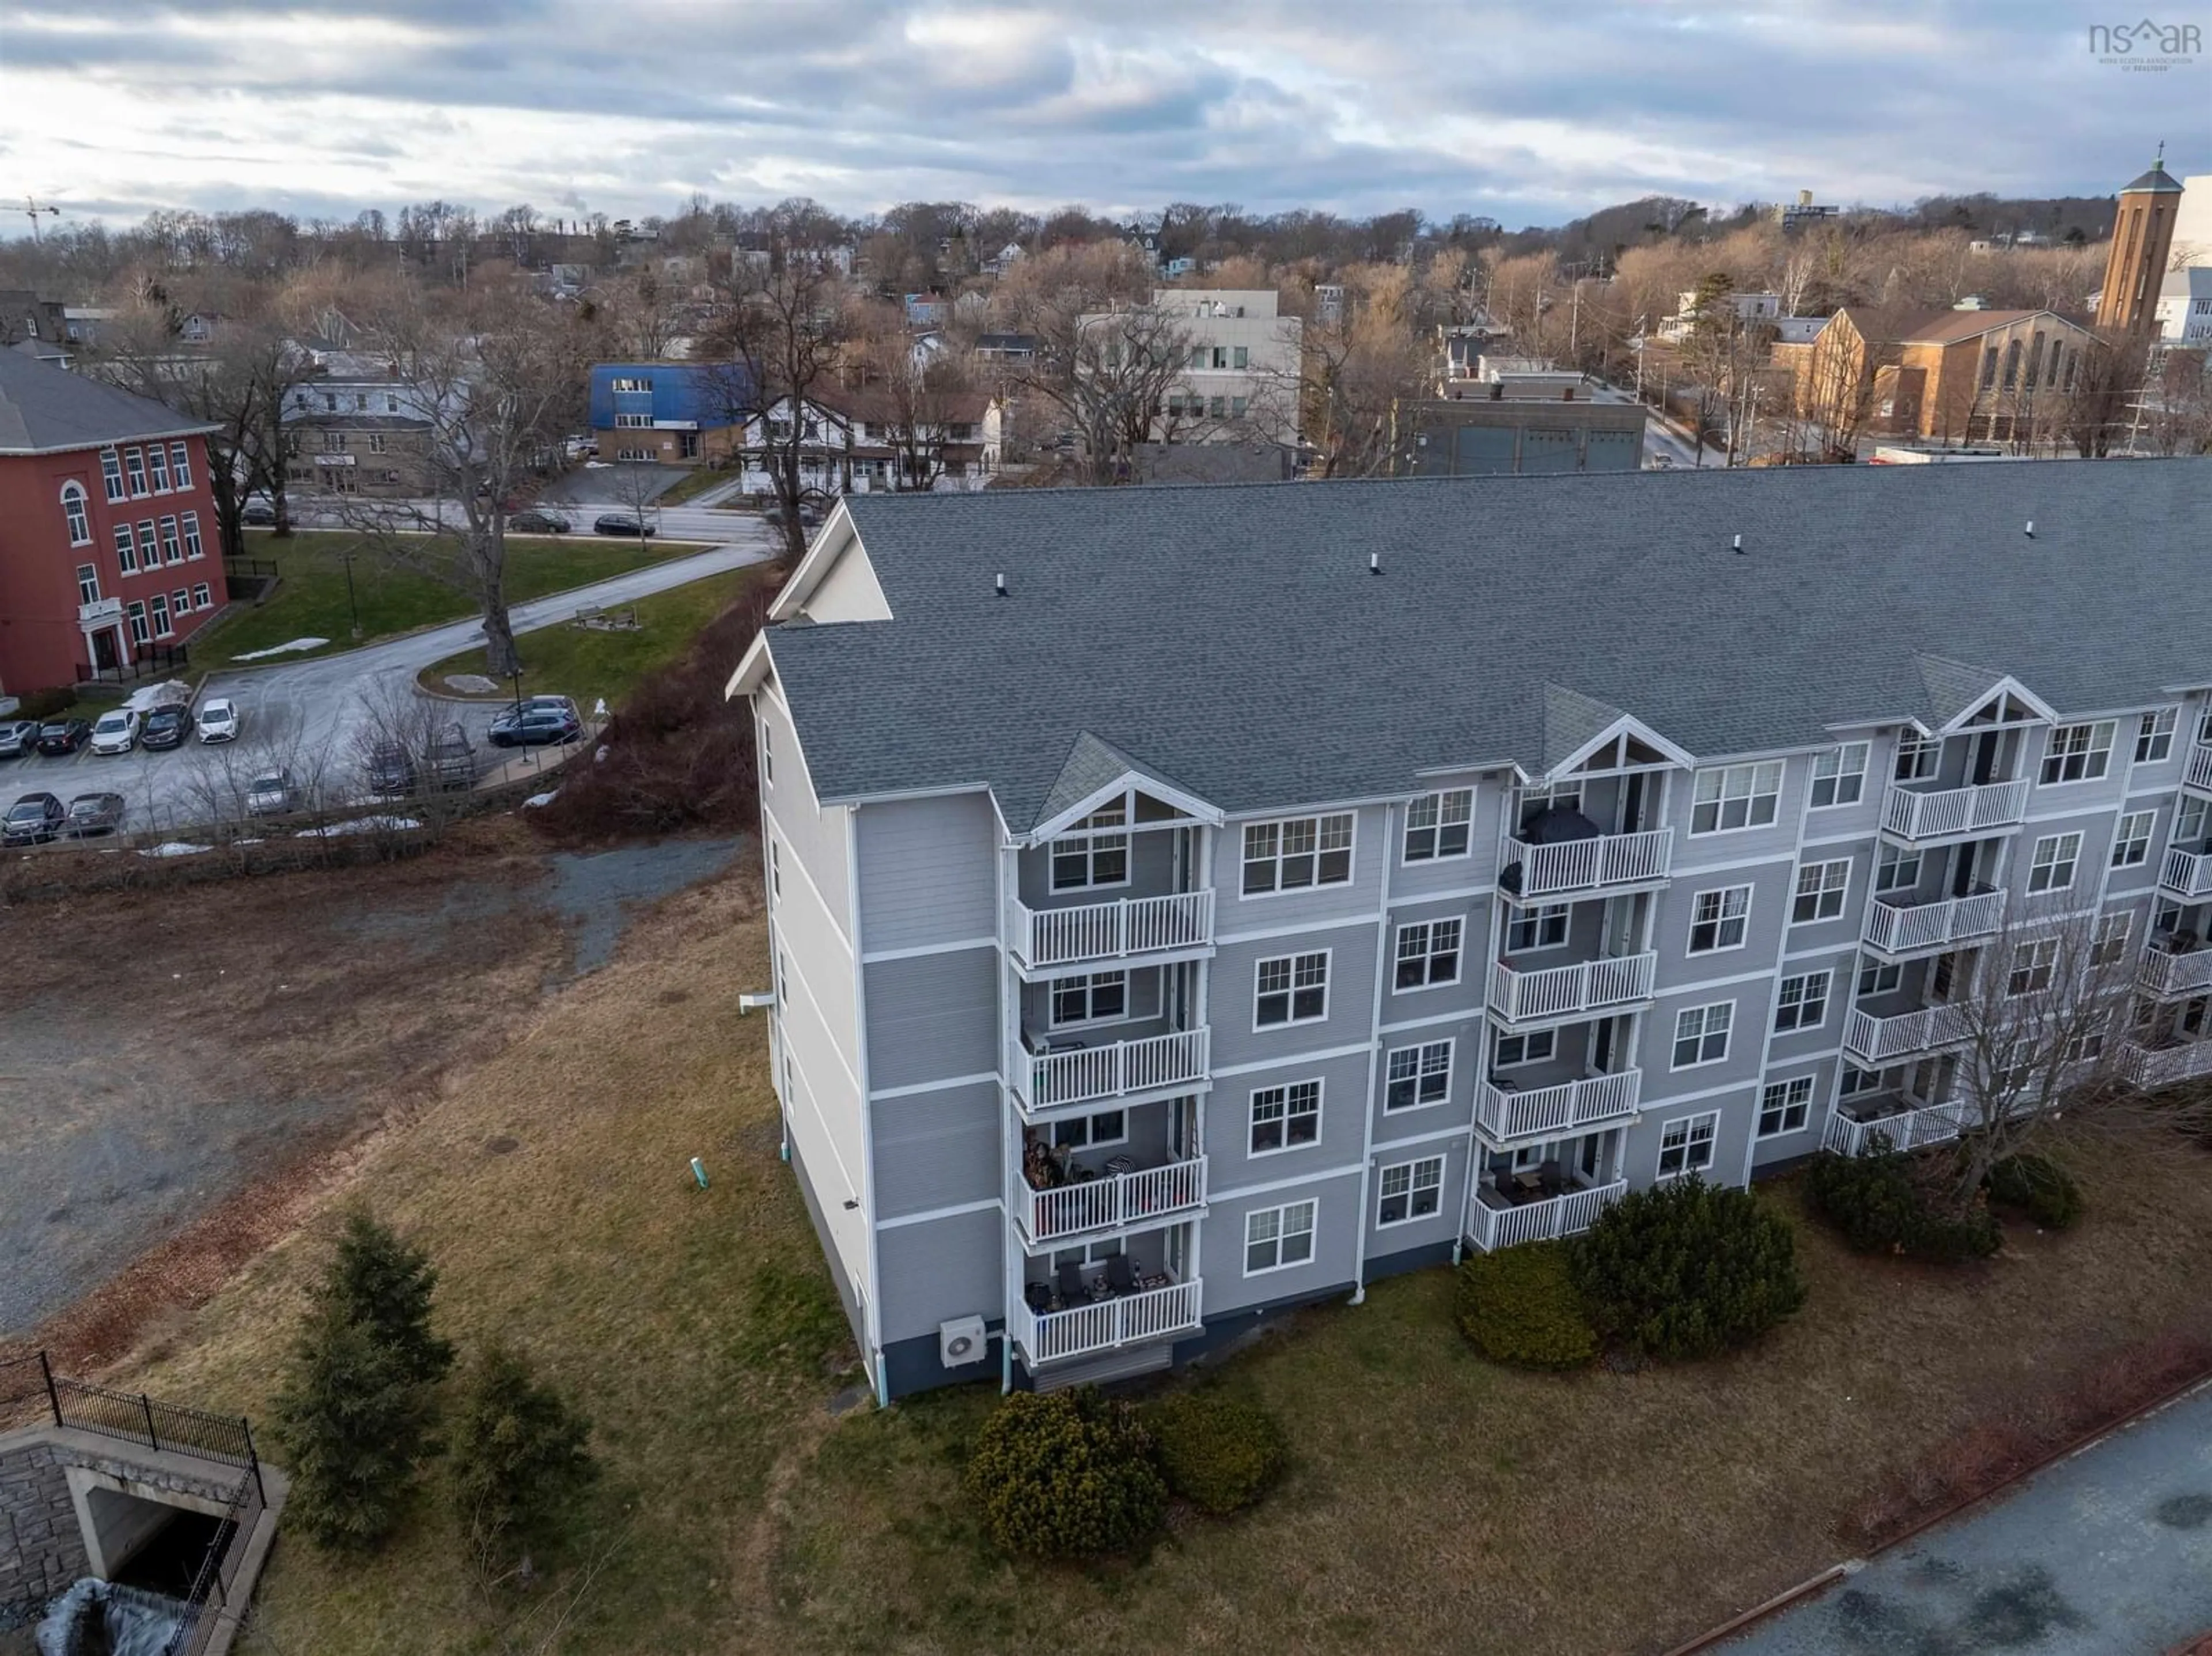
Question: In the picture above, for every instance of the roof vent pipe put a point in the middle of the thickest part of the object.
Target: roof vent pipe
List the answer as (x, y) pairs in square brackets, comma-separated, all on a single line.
[(1738, 544), (2031, 529), (1374, 563), (1002, 587)]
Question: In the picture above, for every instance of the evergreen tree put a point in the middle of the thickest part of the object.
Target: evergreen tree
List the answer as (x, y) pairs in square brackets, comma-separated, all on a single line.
[(352, 1420), (384, 1284), (518, 1459)]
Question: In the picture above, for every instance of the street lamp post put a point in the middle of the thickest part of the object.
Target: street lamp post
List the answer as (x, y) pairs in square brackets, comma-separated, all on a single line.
[(352, 605)]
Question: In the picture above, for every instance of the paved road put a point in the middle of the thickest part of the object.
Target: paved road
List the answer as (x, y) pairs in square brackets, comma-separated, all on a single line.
[(318, 713), (2108, 1554), (1659, 438), (694, 521)]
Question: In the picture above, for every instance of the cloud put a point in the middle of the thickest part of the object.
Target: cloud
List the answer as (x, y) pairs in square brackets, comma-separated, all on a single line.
[(1527, 114)]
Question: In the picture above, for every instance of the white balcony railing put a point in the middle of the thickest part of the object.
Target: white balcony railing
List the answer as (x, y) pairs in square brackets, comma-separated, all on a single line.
[(1108, 1204), (1506, 1114), (1881, 1040), (1912, 815), (2187, 874), (1907, 1129), (1613, 984), (1605, 863), (1902, 927), (2170, 977), (2199, 774), (1490, 1229), (1084, 1073), (2164, 1066), (1108, 931), (1157, 1313)]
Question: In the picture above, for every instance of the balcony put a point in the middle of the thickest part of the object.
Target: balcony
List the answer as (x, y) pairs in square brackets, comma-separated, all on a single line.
[(1919, 818), (2168, 975), (1561, 994), (1566, 871), (1141, 1197), (1492, 1225), (2153, 1067), (1079, 1331), (1128, 1072), (2198, 776), (1506, 1114), (1905, 1127), (1142, 930), (1898, 927), (100, 612), (1875, 1041), (2186, 875)]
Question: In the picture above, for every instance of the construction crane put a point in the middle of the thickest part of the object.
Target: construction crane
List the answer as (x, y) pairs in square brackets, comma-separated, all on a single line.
[(32, 209)]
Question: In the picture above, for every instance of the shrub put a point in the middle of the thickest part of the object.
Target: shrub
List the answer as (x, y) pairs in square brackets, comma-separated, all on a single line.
[(42, 704), (1066, 1475), (2038, 1187), (1883, 1203), (383, 1283), (353, 1421), (518, 1458), (1519, 1305), (1217, 1453), (1686, 1270)]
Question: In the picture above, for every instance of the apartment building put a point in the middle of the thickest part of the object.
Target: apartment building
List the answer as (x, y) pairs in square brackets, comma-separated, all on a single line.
[(1186, 904), (1242, 376)]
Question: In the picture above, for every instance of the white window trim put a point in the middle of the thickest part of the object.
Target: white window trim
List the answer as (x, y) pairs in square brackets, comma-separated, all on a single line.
[(2072, 860), (1065, 844), (1412, 1169), (1350, 855), (1312, 1230), (1811, 1083), (1406, 860), (1781, 779), (1419, 1048), (1866, 759), (1827, 995), (1843, 897), (2121, 838), (1727, 1044), (1688, 1123), (2109, 726), (1320, 1084), (2171, 732), (1089, 1141), (1690, 950), (1053, 1020), (1566, 910), (1293, 1021), (79, 521), (1458, 953)]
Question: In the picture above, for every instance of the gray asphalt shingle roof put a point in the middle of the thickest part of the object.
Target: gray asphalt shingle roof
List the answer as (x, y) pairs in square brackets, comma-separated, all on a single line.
[(44, 409), (1233, 640)]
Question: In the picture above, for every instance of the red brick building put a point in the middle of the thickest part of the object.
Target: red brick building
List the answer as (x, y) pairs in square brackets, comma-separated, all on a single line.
[(109, 546)]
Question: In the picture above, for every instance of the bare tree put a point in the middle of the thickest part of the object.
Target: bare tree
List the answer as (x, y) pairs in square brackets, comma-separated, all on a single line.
[(1106, 375), (2102, 395)]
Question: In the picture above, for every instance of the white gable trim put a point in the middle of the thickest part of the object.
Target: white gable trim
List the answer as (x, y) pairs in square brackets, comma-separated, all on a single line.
[(752, 670), (831, 542), (2006, 686), (1628, 725), (1189, 804)]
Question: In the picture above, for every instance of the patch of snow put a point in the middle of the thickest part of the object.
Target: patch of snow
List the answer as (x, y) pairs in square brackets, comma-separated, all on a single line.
[(469, 683), (359, 825), (147, 697), (174, 848), (539, 801), (284, 649)]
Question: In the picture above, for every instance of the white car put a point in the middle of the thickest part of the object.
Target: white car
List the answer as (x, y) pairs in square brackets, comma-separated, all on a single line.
[(218, 721), (116, 732)]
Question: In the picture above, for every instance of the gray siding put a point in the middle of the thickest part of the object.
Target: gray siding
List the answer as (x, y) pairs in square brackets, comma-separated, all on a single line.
[(1443, 1225), (938, 1149), (1738, 1114), (814, 835), (1336, 1242), (1343, 1119), (1410, 881), (1371, 856), (928, 872), (1785, 1147), (939, 1269), (933, 1017), (1465, 995), (1152, 873), (1232, 1000)]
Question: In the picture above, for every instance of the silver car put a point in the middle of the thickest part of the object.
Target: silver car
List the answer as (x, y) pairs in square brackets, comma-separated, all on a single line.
[(272, 793), (16, 736)]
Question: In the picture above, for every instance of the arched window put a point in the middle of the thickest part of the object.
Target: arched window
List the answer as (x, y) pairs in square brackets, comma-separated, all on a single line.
[(2012, 366), (80, 526)]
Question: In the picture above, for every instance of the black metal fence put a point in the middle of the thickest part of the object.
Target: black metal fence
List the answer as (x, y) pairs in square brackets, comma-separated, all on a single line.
[(249, 569), (146, 661), (160, 1426), (214, 1586)]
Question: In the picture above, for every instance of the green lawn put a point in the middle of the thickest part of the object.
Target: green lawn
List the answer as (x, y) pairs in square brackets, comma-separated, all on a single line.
[(691, 487), (587, 663), (312, 602)]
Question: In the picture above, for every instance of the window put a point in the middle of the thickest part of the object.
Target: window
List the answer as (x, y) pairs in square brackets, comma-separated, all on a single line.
[(203, 597), (180, 465), (2033, 966), (135, 613), (1277, 1237), (1898, 871), (2078, 753), (1286, 1118), (1839, 776), (1093, 853), (1541, 927), (1535, 1047), (180, 601), (1238, 407), (171, 551), (1857, 1082), (1821, 888), (159, 607), (1089, 1132), (146, 555), (2131, 843), (1215, 407), (1240, 356), (1292, 989), (1297, 853), (391, 404), (2085, 1047), (376, 442), (111, 473), (1436, 825), (775, 871), (1411, 1190), (1718, 919), (1880, 979), (1783, 1107), (329, 403), (73, 513), (1529, 803), (157, 464), (191, 521), (1686, 1145), (1415, 1077), (1989, 367), (2051, 869), (635, 384), (2012, 365), (1092, 1000), (1802, 1003), (126, 550), (87, 584), (1428, 954), (1701, 1034), (1738, 797), (633, 421), (2108, 945), (768, 753), (1918, 757), (2154, 736), (134, 462)]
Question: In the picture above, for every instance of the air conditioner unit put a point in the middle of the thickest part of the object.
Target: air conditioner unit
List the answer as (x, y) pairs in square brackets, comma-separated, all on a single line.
[(962, 1341)]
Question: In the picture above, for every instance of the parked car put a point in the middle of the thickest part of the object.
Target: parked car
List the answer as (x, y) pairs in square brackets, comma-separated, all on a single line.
[(91, 814), (17, 737), (1662, 463), (452, 762), (219, 720), (272, 793), (391, 769), (166, 727), (33, 820), (810, 516), (621, 523), (535, 522), (536, 722), (259, 512), (57, 736), (116, 732)]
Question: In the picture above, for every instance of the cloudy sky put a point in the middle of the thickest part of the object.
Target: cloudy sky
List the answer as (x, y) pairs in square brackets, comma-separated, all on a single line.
[(1529, 113)]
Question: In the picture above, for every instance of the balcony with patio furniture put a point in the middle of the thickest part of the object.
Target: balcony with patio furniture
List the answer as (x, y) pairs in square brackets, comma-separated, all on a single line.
[(1876, 1042), (1915, 815), (1072, 1310), (1511, 1208), (1861, 1125), (1051, 1075), (2185, 876), (1060, 1193), (2178, 966), (2154, 1061), (1898, 927), (1563, 857), (1509, 1113), (1562, 994)]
